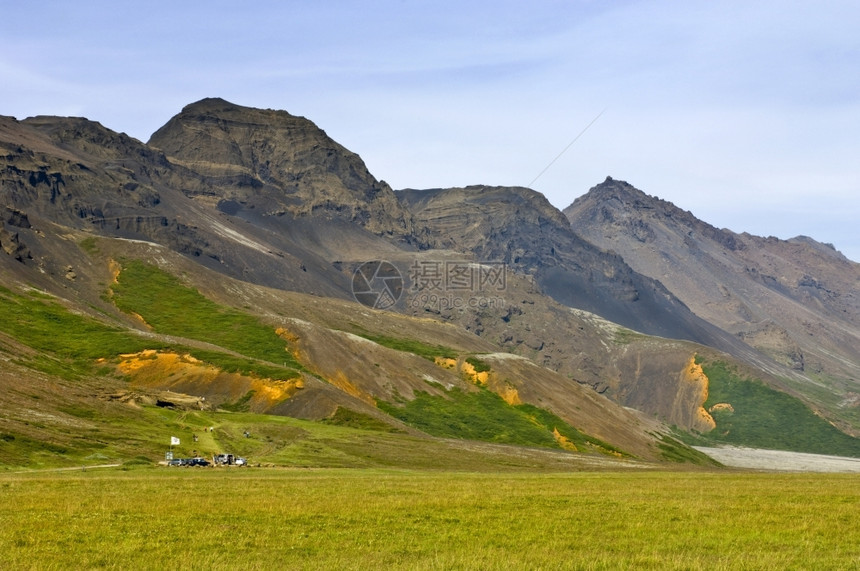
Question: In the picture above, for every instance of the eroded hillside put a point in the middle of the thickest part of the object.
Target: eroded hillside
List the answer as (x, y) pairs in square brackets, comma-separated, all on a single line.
[(796, 301), (213, 272)]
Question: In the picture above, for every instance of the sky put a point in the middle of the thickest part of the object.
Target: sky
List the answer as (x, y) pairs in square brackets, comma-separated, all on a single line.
[(745, 113)]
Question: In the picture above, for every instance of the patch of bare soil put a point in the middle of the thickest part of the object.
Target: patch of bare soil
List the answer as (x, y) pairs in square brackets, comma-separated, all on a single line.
[(780, 460)]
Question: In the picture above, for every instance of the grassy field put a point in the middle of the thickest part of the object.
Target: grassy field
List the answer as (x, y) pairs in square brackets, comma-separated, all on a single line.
[(378, 519)]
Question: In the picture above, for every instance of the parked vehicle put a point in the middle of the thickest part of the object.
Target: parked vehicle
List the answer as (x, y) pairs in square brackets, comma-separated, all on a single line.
[(229, 460), (217, 460)]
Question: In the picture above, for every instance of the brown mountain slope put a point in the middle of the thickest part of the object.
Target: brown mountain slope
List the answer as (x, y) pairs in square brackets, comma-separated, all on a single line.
[(77, 173), (519, 227), (268, 198), (341, 367), (797, 301), (63, 176)]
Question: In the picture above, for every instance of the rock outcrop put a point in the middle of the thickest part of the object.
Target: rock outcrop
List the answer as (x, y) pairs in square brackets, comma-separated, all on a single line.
[(278, 164)]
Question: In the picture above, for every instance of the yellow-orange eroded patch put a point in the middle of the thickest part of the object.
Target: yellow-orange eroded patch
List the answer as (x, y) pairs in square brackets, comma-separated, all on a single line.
[(343, 383), (694, 374), (510, 395), (478, 378), (183, 372), (564, 441)]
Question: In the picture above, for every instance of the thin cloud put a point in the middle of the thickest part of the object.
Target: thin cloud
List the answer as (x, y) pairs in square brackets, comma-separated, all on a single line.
[(751, 108)]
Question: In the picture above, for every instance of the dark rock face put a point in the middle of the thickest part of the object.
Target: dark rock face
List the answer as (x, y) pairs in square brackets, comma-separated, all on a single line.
[(253, 194), (12, 245), (17, 218), (271, 160), (520, 227)]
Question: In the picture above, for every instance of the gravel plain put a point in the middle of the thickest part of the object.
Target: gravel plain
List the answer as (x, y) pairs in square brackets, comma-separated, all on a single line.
[(780, 460)]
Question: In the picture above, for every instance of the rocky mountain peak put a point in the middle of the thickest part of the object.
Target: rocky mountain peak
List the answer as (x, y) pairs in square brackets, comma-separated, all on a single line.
[(80, 138), (618, 192), (209, 104), (277, 163), (822, 248), (519, 227), (622, 196), (618, 207)]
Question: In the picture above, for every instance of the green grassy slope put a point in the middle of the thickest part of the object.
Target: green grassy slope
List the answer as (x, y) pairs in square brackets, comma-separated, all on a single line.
[(484, 415), (171, 308), (66, 344), (762, 417), (80, 350), (78, 422)]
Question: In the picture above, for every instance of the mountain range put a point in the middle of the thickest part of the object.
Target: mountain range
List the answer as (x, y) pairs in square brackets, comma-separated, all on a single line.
[(247, 263)]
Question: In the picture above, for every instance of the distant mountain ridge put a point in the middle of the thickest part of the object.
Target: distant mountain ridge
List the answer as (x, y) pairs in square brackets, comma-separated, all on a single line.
[(267, 200), (520, 227)]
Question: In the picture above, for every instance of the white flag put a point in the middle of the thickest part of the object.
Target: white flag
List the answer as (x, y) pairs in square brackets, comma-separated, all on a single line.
[(174, 441)]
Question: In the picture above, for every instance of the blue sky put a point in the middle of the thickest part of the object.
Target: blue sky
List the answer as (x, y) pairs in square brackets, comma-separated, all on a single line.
[(746, 114)]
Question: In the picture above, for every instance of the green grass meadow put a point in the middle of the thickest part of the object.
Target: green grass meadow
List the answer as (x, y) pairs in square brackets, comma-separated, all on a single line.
[(762, 417), (152, 518)]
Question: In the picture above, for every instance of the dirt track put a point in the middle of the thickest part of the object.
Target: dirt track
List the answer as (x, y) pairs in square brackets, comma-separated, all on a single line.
[(779, 460)]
